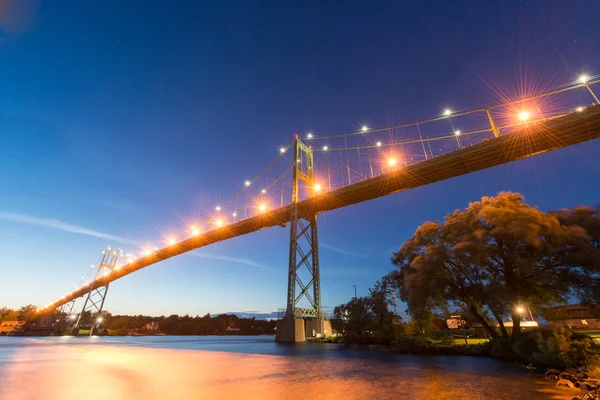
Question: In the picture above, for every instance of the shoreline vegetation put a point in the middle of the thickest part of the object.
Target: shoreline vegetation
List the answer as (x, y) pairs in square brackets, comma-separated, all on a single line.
[(493, 265)]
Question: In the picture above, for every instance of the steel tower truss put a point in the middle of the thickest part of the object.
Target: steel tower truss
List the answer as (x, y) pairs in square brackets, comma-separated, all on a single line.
[(94, 301), (303, 283)]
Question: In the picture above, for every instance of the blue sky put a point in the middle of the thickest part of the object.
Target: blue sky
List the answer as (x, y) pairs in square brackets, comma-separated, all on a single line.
[(120, 119)]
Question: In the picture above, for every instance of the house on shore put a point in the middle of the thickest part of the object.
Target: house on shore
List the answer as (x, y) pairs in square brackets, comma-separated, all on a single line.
[(232, 330), (576, 316), (150, 329), (12, 328)]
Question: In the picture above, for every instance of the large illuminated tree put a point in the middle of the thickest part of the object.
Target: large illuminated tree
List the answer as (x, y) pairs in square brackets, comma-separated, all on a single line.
[(494, 257)]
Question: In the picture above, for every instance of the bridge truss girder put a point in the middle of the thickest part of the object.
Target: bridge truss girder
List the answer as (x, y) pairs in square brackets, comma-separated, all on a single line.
[(303, 283), (94, 301)]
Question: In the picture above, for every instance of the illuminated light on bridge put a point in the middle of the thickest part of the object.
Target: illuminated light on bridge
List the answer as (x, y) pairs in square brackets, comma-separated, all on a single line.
[(477, 150), (364, 128), (172, 241), (282, 150), (584, 78), (262, 207), (263, 191), (218, 208), (147, 252), (524, 115), (234, 214), (309, 135), (195, 231)]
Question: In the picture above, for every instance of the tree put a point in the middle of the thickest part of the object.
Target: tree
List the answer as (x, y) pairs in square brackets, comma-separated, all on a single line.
[(589, 219), (27, 313), (8, 314), (368, 319), (121, 322), (497, 254)]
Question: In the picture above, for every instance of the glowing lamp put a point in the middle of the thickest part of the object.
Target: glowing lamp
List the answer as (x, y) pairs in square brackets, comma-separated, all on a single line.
[(172, 241), (234, 214), (524, 115), (220, 223), (282, 150), (263, 191), (447, 112), (147, 252), (317, 187), (364, 128), (457, 133), (310, 136), (325, 148), (247, 183), (391, 161), (99, 319), (584, 78), (378, 144), (218, 208), (262, 207), (579, 109), (520, 310)]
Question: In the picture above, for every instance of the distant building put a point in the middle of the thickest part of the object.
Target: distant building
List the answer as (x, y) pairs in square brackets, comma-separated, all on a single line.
[(152, 327), (232, 330), (12, 328), (576, 316)]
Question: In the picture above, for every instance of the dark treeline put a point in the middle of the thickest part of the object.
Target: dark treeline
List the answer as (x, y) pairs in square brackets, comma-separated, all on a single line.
[(141, 324), (188, 325)]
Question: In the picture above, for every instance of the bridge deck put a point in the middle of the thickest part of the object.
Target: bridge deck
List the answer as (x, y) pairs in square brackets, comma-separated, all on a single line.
[(539, 138)]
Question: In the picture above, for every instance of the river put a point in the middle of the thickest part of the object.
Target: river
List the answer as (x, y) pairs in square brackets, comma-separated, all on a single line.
[(249, 368)]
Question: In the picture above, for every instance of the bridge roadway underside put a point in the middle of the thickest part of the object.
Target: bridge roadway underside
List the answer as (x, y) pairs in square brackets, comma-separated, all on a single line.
[(536, 139)]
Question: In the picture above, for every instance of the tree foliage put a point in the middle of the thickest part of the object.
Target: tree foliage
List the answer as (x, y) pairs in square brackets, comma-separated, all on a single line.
[(495, 255), (368, 319)]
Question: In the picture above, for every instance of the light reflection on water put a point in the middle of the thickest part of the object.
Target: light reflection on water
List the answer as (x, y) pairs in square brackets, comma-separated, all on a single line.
[(172, 367)]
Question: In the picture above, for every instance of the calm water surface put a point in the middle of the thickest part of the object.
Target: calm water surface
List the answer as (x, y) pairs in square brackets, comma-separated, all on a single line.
[(246, 367)]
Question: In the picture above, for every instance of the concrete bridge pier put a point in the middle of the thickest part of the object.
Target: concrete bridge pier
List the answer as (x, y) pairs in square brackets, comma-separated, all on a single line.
[(290, 331), (297, 330)]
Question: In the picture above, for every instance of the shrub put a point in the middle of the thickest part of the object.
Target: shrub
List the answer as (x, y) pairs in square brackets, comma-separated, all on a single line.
[(501, 348), (558, 347)]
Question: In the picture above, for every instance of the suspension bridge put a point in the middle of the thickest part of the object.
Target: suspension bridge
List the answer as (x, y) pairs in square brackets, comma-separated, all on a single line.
[(319, 173)]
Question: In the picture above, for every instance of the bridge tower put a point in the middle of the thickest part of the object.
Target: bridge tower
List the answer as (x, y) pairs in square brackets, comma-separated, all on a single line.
[(94, 301), (300, 322)]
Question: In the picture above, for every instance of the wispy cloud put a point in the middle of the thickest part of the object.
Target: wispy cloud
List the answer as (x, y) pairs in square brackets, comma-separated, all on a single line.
[(342, 251), (61, 226), (267, 315), (235, 260)]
